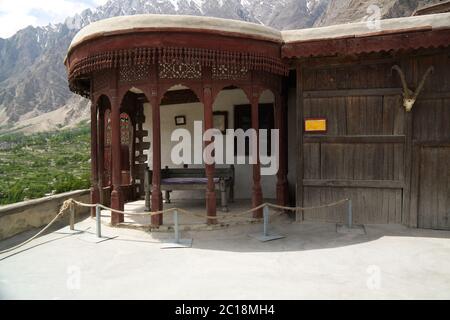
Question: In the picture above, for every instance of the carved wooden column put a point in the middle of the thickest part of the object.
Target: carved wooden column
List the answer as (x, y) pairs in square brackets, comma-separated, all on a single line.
[(117, 201), (157, 220), (95, 195), (280, 124), (140, 146), (209, 168), (256, 190), (101, 152), (132, 153)]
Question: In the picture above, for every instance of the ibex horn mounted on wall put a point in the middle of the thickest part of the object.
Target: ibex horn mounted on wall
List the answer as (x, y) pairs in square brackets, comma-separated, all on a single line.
[(409, 96)]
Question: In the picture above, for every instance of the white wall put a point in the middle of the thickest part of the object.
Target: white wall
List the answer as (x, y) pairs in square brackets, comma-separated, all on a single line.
[(225, 101)]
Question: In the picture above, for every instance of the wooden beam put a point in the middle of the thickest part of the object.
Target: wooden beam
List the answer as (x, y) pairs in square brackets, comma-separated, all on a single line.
[(434, 8), (257, 196), (299, 169), (400, 40), (408, 216), (354, 139), (101, 152), (432, 144), (117, 201), (433, 95), (95, 194), (352, 93), (141, 134), (179, 97), (143, 145), (156, 220), (280, 124), (321, 63), (411, 218), (380, 184), (208, 102)]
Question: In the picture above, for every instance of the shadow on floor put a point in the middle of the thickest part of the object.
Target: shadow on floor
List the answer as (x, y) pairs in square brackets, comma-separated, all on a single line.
[(299, 236)]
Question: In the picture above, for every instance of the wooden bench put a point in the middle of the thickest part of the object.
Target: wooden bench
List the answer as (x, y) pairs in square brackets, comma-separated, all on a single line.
[(192, 179)]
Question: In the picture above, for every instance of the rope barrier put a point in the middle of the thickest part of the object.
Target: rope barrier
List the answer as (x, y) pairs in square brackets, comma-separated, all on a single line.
[(276, 206), (153, 213), (67, 205), (243, 213)]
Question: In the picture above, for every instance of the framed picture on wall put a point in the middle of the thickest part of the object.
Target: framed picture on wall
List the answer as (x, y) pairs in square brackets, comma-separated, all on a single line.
[(180, 120), (220, 120)]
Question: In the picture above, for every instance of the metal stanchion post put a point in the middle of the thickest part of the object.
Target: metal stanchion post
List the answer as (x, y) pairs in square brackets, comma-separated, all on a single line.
[(177, 242), (72, 217), (350, 228), (147, 189), (266, 236), (99, 222), (97, 237), (266, 219), (350, 214), (175, 221)]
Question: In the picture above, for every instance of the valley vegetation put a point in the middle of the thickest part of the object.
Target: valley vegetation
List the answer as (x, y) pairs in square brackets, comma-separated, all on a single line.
[(40, 164)]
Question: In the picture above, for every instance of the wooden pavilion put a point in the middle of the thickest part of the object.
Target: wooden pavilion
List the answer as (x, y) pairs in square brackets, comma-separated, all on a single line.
[(109, 59), (364, 110)]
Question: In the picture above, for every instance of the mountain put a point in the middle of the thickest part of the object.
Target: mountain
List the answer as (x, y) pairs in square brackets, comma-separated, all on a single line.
[(345, 11), (34, 95)]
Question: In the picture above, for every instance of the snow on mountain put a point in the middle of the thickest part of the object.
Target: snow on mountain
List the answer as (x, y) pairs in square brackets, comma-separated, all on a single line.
[(33, 80)]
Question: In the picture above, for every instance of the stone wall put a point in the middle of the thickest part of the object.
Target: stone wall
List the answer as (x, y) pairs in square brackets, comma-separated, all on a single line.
[(22, 216)]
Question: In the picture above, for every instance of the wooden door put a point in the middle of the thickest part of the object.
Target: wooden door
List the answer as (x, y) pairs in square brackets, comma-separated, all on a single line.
[(431, 164), (434, 188)]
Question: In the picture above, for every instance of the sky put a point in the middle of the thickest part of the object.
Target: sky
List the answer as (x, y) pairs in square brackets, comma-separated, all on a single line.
[(18, 14)]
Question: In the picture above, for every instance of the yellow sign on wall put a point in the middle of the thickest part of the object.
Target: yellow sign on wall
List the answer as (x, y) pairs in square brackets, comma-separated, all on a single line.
[(316, 125)]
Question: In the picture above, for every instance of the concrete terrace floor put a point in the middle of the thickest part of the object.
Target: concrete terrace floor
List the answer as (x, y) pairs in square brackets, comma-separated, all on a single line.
[(312, 262)]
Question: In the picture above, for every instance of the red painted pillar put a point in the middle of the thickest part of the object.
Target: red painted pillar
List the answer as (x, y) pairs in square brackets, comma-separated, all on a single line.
[(95, 195), (256, 190), (280, 124), (101, 152), (209, 168), (117, 201), (157, 220)]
